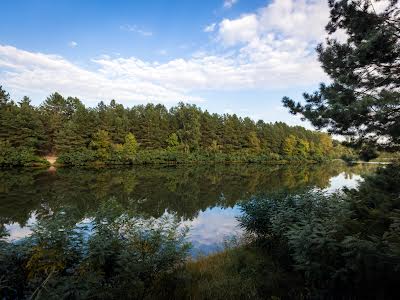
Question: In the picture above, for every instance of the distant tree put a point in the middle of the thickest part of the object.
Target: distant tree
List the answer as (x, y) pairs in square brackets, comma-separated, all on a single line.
[(188, 121), (130, 146), (6, 114), (303, 147), (363, 100), (4, 96), (28, 129), (211, 125), (56, 110), (172, 141), (214, 147), (254, 141), (101, 143), (289, 145), (68, 138), (325, 144), (80, 135), (232, 133)]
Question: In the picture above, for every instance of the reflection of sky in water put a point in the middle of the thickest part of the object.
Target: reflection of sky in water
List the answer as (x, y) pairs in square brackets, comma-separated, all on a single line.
[(15, 230), (211, 227), (343, 180)]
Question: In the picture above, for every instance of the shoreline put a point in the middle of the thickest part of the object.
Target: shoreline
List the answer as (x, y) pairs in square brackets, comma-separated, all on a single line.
[(50, 163)]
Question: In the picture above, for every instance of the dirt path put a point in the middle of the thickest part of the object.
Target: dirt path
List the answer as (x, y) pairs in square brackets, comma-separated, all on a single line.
[(51, 159)]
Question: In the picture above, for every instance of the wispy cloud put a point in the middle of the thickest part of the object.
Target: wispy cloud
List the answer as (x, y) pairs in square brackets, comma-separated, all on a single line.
[(229, 3), (269, 49), (210, 28), (72, 44), (38, 75), (136, 29)]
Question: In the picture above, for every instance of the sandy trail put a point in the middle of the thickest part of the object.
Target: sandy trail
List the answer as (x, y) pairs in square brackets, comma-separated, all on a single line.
[(51, 159)]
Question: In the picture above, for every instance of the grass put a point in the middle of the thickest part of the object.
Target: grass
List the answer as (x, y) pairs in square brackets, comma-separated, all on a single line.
[(242, 272)]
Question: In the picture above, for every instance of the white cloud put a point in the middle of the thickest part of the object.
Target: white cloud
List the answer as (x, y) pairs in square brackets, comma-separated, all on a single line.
[(72, 44), (210, 28), (303, 19), (229, 3), (38, 75), (239, 30), (261, 51), (136, 29), (295, 20)]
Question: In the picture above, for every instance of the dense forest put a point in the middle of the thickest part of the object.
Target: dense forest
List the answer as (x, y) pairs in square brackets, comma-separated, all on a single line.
[(114, 134)]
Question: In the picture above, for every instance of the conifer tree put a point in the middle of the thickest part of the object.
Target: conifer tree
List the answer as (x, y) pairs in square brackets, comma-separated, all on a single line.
[(363, 100)]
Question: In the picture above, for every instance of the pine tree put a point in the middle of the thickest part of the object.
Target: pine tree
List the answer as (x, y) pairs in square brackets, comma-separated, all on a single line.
[(101, 143), (363, 100)]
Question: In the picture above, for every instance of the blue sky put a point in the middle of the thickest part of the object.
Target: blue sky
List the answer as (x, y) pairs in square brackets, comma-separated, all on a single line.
[(224, 55)]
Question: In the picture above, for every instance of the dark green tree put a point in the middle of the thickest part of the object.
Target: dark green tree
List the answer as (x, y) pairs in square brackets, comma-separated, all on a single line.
[(363, 100), (187, 118)]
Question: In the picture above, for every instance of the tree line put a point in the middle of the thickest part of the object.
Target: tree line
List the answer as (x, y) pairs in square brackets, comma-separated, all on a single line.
[(113, 134)]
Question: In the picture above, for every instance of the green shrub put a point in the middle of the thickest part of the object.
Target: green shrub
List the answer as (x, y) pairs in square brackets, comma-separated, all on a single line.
[(344, 244), (122, 256), (19, 157)]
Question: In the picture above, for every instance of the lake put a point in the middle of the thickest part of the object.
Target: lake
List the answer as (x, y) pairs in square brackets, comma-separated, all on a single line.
[(204, 197)]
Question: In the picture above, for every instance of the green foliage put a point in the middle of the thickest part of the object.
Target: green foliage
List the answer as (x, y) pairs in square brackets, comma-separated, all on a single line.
[(101, 144), (368, 153), (343, 244), (172, 141), (130, 146), (288, 145), (254, 142), (19, 157), (77, 135), (125, 256), (363, 100)]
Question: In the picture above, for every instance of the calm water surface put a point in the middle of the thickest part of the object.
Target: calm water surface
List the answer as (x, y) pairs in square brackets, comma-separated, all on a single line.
[(204, 197)]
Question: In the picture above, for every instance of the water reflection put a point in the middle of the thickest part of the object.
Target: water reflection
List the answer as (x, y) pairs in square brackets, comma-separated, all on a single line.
[(203, 197)]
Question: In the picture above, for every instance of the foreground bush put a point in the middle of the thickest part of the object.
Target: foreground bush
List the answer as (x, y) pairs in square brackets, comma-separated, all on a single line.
[(114, 256), (344, 245)]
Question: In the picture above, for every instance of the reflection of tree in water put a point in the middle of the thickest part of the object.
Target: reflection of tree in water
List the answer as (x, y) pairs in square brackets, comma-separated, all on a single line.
[(151, 191)]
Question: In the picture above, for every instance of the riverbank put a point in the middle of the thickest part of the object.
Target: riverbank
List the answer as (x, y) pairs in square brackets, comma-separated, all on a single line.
[(168, 157)]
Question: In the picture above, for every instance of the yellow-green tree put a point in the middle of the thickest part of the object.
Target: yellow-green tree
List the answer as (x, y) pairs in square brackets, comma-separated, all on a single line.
[(130, 146), (214, 147), (325, 143), (101, 143), (303, 148), (289, 145), (254, 142), (172, 141)]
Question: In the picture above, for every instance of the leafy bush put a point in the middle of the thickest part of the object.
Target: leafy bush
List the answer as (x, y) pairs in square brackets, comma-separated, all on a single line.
[(19, 157), (345, 244), (117, 156), (113, 256), (77, 158)]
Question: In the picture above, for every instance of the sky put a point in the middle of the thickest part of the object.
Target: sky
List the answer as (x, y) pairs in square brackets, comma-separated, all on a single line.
[(226, 56)]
